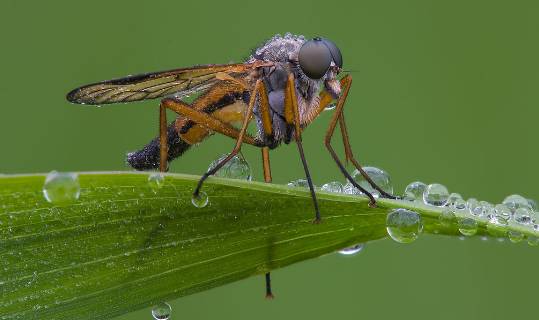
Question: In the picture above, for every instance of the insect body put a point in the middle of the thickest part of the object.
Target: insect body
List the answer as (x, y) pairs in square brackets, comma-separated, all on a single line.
[(284, 85)]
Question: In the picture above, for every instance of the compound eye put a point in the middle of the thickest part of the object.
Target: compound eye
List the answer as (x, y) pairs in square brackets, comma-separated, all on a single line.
[(334, 50), (315, 58)]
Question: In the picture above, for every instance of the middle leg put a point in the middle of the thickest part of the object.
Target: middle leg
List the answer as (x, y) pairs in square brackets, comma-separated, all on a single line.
[(292, 117)]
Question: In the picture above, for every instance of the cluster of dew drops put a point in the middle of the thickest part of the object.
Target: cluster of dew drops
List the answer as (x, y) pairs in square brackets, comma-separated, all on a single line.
[(405, 226)]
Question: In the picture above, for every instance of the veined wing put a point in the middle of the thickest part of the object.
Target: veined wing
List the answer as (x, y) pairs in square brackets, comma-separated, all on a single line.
[(160, 84)]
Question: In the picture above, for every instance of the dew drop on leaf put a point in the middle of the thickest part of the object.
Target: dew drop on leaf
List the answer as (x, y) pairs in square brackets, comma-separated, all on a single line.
[(404, 226), (447, 217), (355, 249), (156, 181), (299, 183), (414, 191), (435, 195), (61, 187), (522, 216), (515, 201), (162, 311), (201, 200), (334, 186), (515, 236), (378, 176), (467, 226)]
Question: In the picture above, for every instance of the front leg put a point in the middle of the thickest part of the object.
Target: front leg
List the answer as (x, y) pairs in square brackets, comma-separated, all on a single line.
[(346, 82), (293, 119)]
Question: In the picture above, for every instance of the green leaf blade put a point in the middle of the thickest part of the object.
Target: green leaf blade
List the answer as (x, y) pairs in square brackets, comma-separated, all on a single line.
[(122, 247)]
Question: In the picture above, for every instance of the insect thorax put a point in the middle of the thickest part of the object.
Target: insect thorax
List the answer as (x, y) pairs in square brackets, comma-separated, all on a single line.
[(283, 51)]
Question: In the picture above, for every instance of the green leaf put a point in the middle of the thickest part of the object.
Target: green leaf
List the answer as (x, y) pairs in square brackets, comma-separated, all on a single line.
[(121, 246)]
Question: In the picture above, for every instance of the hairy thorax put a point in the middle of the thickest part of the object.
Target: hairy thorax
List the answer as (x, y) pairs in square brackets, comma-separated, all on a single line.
[(283, 52)]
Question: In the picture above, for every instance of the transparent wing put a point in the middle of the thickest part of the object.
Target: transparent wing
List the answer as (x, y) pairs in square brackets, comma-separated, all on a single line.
[(159, 84)]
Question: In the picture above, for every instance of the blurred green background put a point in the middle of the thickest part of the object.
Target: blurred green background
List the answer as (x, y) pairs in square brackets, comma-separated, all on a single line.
[(444, 91)]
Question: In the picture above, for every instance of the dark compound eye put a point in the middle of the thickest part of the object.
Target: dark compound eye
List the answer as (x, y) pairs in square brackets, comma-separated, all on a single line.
[(335, 52), (314, 58)]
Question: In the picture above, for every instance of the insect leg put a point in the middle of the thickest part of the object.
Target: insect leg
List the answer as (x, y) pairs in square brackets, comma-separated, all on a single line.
[(206, 120), (163, 146), (240, 138), (267, 179), (346, 82), (350, 156), (292, 117)]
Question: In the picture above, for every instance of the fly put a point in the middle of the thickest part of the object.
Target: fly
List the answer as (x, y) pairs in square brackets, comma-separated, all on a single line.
[(284, 85)]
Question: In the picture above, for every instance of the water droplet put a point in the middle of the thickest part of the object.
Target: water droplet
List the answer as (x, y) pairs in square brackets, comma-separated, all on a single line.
[(299, 183), (467, 226), (453, 197), (61, 187), (533, 204), (486, 208), (333, 186), (236, 168), (355, 249), (436, 195), (447, 217), (414, 191), (404, 226), (533, 241), (496, 226), (474, 207), (156, 181), (502, 212), (330, 107), (515, 236), (459, 205), (516, 201), (378, 176), (522, 216), (201, 201), (162, 311)]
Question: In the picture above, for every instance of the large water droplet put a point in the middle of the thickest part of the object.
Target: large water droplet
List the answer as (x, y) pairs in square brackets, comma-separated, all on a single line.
[(355, 249), (236, 168), (333, 186), (436, 195), (467, 226), (378, 176), (522, 216), (516, 201), (156, 181), (201, 201), (162, 311), (61, 187), (414, 191), (403, 225)]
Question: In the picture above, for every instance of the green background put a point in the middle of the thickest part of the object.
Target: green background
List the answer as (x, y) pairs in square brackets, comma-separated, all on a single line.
[(444, 91)]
